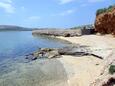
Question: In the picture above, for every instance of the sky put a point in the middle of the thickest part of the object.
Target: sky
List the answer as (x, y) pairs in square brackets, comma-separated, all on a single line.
[(50, 13)]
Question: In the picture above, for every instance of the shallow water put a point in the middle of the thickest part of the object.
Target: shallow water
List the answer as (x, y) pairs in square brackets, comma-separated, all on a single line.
[(42, 72), (18, 43), (16, 71)]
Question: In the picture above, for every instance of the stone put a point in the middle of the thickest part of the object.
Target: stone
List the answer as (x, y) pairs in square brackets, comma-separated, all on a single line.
[(53, 54), (57, 52), (31, 57), (67, 35), (46, 49)]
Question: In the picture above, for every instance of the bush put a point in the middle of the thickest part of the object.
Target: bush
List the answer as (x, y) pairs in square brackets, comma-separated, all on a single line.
[(100, 11), (89, 26), (111, 6), (112, 69), (103, 10)]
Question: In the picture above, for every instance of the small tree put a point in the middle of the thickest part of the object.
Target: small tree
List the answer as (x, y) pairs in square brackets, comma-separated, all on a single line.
[(100, 11)]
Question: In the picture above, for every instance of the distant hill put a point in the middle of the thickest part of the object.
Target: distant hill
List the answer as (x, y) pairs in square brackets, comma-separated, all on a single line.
[(13, 28), (18, 28)]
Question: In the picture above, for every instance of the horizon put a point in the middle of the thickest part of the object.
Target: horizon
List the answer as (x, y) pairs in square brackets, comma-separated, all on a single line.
[(50, 13)]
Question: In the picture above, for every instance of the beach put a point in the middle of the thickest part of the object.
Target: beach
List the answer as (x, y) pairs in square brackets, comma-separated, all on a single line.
[(57, 43), (66, 70), (83, 70)]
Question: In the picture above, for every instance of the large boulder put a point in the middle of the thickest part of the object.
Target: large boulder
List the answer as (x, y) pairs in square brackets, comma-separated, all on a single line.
[(105, 22)]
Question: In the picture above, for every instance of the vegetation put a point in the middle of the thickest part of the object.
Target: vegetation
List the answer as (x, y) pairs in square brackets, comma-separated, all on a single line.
[(112, 69), (90, 26), (103, 10), (97, 64), (100, 11)]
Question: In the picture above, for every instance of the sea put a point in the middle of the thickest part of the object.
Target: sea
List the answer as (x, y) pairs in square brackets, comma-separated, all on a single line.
[(15, 70)]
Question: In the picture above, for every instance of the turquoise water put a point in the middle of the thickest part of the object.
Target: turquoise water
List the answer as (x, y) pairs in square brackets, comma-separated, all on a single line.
[(18, 43), (16, 71)]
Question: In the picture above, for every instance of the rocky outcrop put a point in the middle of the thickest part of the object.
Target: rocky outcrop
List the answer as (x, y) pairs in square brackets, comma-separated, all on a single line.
[(105, 22), (54, 32), (65, 33), (57, 52)]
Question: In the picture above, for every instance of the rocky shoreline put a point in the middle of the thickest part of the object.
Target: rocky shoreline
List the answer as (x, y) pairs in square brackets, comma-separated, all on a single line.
[(74, 50), (71, 49), (104, 77), (88, 71), (64, 32), (83, 46)]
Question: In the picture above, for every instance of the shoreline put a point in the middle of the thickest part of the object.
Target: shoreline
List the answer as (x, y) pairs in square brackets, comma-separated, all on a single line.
[(80, 70), (68, 70), (64, 32)]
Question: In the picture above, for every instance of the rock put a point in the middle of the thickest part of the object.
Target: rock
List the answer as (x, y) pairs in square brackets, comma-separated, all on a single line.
[(63, 32), (34, 58), (53, 54), (57, 32), (45, 52), (67, 35), (31, 57), (36, 54), (109, 82), (72, 50), (46, 49), (105, 22), (98, 34)]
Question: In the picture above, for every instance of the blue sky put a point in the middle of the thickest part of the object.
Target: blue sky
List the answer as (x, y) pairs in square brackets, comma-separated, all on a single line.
[(50, 13)]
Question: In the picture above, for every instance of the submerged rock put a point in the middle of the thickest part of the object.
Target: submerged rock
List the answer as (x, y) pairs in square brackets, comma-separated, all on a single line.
[(31, 57), (47, 52)]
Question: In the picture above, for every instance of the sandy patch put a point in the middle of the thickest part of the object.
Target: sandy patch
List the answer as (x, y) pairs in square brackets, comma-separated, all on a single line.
[(84, 70)]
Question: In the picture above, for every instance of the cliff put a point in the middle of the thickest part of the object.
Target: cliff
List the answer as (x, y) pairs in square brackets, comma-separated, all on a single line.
[(105, 21)]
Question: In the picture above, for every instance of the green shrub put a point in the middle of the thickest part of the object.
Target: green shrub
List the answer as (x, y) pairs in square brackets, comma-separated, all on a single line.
[(111, 6), (103, 10), (112, 69), (100, 11), (89, 26)]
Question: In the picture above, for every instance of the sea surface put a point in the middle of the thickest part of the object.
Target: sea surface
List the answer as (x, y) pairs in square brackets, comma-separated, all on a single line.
[(15, 70), (18, 43)]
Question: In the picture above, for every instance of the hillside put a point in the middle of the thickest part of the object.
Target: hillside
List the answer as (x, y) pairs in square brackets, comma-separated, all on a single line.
[(13, 28)]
